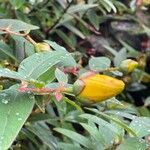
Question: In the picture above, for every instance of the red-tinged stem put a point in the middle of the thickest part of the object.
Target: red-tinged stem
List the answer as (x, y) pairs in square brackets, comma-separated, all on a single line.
[(138, 2), (46, 90)]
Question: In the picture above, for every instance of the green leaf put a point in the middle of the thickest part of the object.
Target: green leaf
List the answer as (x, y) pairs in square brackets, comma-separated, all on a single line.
[(65, 146), (11, 74), (42, 131), (14, 110), (65, 38), (99, 63), (100, 122), (80, 7), (23, 48), (133, 144), (4, 48), (110, 4), (121, 113), (72, 103), (120, 56), (147, 101), (48, 76), (94, 132), (132, 52), (74, 30), (66, 58), (17, 3), (110, 49), (37, 64), (61, 107), (144, 111), (75, 137), (141, 126), (61, 76), (16, 25), (93, 18), (116, 120)]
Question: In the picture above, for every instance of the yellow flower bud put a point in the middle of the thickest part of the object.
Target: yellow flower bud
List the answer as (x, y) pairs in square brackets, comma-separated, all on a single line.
[(41, 47), (128, 65), (97, 88), (145, 2)]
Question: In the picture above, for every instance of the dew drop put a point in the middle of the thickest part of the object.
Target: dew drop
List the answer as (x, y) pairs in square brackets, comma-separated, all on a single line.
[(141, 141), (4, 101), (3, 94), (19, 119), (7, 69), (22, 67), (67, 54), (62, 57), (31, 97), (37, 54), (25, 76), (117, 113), (136, 121), (17, 114)]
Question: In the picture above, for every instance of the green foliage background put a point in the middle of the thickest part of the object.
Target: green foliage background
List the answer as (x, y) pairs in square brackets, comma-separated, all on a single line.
[(84, 34)]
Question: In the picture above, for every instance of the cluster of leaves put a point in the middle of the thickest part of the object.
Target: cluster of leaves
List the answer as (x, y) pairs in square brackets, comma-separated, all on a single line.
[(95, 35)]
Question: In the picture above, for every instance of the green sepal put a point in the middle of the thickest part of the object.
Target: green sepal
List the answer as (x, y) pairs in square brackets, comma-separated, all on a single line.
[(84, 101), (78, 86)]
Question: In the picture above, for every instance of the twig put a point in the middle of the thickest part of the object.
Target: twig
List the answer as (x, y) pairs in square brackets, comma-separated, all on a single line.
[(58, 20), (88, 26), (25, 35), (28, 37), (7, 31)]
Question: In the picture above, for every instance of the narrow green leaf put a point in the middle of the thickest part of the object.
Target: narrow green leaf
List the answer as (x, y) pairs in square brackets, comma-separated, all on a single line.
[(65, 146), (4, 72), (42, 131), (133, 144), (74, 30), (17, 3), (108, 2), (23, 48), (80, 7), (100, 122), (75, 137), (65, 38), (61, 76), (94, 133), (141, 126), (128, 129), (72, 103), (113, 51), (7, 50), (132, 51)]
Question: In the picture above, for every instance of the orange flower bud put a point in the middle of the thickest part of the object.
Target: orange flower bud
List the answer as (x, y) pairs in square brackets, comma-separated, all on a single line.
[(97, 88)]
